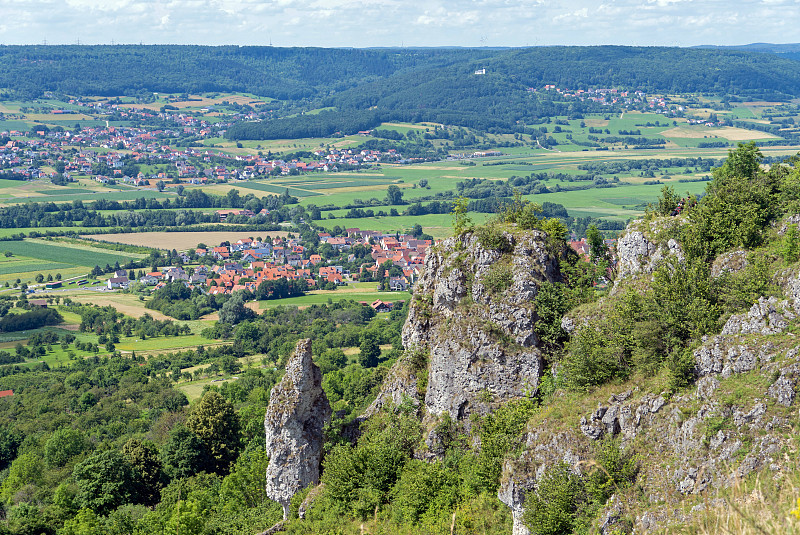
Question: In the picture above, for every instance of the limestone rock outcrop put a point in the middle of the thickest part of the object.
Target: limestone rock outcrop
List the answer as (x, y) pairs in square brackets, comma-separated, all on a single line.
[(473, 312), (298, 409), (639, 252), (767, 316)]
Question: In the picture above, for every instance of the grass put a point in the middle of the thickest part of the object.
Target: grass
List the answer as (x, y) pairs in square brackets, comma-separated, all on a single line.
[(319, 297), (161, 343), (62, 253)]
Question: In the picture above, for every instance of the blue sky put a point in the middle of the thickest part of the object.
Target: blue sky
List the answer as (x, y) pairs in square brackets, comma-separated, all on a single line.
[(366, 23)]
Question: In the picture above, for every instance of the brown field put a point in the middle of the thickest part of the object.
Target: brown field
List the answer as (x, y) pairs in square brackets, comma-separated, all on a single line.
[(181, 241), (127, 304), (761, 103), (596, 122), (730, 133)]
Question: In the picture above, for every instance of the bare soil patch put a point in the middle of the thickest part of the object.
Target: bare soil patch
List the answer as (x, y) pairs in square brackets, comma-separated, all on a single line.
[(181, 241), (128, 309), (730, 133)]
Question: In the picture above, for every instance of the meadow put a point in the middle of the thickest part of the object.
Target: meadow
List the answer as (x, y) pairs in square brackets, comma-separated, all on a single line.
[(360, 291)]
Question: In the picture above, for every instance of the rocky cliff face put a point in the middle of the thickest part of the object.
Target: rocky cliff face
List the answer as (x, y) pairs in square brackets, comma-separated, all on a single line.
[(473, 315), (735, 419), (298, 409)]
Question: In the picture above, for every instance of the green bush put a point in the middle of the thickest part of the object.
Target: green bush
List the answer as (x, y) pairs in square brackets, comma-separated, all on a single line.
[(552, 509), (498, 278)]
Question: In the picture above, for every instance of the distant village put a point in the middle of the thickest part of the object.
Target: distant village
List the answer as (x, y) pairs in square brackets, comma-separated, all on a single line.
[(102, 154), (395, 262)]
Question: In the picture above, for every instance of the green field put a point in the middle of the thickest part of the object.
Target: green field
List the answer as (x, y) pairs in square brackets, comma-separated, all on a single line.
[(67, 195), (362, 291), (57, 252), (275, 188)]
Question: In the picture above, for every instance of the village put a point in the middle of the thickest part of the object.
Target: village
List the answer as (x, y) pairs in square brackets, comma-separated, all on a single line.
[(111, 154), (393, 262)]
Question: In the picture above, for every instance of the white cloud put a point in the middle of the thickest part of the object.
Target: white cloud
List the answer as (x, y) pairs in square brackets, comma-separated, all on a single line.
[(581, 13), (391, 22)]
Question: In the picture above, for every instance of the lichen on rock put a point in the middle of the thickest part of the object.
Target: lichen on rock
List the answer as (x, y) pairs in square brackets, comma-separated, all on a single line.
[(297, 412)]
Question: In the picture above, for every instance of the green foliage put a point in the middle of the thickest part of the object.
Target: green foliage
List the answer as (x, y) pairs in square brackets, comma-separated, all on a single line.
[(143, 457), (642, 332), (244, 487), (370, 351), (461, 221), (564, 502), (216, 423), (499, 277), (500, 433), (86, 522), (423, 488), (740, 290), (359, 479), (492, 237), (614, 470), (553, 508), (27, 469), (667, 202), (739, 204), (552, 301), (790, 248), (105, 481), (683, 301), (233, 310), (522, 213), (63, 445)]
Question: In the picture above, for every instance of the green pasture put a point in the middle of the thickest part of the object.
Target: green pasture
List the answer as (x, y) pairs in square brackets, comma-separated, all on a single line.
[(275, 188), (161, 343), (67, 196), (614, 203), (11, 124), (364, 291), (57, 252)]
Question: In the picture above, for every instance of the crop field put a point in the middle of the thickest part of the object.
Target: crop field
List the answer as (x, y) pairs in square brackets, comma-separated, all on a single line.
[(180, 241), (63, 253), (275, 188)]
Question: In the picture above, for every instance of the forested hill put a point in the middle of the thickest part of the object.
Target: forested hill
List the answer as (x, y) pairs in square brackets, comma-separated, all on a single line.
[(283, 73), (501, 98), (291, 73)]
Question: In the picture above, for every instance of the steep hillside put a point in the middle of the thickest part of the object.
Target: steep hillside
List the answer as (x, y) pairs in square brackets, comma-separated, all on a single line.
[(666, 405)]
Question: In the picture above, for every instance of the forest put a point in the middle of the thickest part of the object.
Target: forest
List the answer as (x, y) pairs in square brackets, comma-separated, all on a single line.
[(369, 86)]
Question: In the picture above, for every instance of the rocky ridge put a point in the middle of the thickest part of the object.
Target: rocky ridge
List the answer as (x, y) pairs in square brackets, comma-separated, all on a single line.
[(472, 321), (734, 420)]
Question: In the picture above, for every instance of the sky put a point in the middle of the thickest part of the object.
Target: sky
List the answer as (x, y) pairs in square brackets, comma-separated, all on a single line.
[(395, 23)]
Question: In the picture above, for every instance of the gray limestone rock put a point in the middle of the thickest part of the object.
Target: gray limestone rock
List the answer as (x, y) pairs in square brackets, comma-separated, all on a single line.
[(636, 253), (730, 262), (482, 342), (783, 389), (400, 385), (512, 492), (767, 316), (298, 409)]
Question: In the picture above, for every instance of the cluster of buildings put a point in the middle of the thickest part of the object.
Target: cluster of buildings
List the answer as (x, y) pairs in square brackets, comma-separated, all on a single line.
[(244, 265), (79, 152), (600, 95)]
